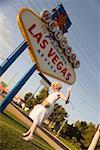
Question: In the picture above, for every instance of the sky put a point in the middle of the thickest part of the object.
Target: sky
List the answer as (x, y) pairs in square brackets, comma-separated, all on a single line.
[(83, 36)]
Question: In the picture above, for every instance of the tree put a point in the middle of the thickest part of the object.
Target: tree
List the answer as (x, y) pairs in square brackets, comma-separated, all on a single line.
[(88, 134), (3, 84), (28, 96), (42, 95), (30, 100), (58, 116)]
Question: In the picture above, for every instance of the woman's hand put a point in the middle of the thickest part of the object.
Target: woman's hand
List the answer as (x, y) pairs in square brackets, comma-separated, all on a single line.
[(66, 98), (69, 89)]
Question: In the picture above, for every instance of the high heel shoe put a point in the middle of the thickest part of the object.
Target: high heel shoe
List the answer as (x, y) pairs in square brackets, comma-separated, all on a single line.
[(28, 138), (26, 134)]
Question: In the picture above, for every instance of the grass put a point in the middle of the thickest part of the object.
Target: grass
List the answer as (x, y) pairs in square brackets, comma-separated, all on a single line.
[(11, 135), (72, 147), (11, 129), (68, 144)]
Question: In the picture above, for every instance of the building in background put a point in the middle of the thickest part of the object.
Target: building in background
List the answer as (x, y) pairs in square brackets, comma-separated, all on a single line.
[(4, 90)]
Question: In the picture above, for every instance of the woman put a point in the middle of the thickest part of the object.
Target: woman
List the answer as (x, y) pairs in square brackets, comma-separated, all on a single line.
[(42, 111)]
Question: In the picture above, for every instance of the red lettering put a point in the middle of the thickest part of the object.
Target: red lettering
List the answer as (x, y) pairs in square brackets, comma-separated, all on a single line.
[(31, 29), (55, 58), (59, 65), (51, 53), (38, 36), (64, 71), (68, 76), (43, 44)]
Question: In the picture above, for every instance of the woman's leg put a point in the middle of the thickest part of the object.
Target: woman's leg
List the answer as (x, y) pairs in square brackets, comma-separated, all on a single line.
[(31, 131), (27, 133)]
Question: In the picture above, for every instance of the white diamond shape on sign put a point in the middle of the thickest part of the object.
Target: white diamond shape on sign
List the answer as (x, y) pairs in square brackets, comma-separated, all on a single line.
[(48, 55)]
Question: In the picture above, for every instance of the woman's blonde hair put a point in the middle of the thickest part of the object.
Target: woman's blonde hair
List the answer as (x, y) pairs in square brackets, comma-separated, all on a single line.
[(56, 84)]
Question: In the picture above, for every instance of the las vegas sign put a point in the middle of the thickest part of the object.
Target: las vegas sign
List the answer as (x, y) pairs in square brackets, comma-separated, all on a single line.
[(44, 49)]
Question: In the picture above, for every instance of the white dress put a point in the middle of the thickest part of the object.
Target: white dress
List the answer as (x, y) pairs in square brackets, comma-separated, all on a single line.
[(40, 113)]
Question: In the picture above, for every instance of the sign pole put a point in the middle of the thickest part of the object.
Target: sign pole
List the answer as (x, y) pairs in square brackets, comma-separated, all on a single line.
[(37, 89), (13, 56), (60, 129), (16, 88), (43, 77)]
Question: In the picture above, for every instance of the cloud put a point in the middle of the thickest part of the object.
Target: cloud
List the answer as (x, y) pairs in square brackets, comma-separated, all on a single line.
[(5, 35)]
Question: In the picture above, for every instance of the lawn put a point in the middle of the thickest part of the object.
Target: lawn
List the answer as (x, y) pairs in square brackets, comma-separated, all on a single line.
[(72, 147), (68, 144), (11, 130)]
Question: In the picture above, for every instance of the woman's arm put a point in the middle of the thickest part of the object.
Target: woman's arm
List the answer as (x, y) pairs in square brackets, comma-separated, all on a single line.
[(66, 98)]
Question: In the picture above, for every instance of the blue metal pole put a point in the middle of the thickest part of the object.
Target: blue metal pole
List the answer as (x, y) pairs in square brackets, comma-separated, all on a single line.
[(13, 56), (16, 88)]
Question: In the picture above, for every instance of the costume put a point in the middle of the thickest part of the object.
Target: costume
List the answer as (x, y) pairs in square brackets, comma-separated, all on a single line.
[(41, 113)]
